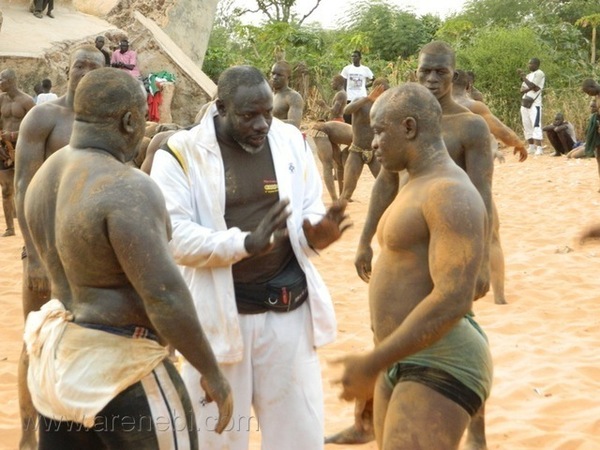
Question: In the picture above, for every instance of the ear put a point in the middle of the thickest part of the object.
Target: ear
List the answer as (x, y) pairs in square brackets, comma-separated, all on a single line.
[(410, 126), (220, 107), (127, 122), (455, 76)]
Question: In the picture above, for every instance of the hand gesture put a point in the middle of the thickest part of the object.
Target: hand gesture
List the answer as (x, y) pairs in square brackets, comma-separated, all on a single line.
[(520, 150), (362, 262), (330, 228), (358, 379), (217, 388), (270, 229)]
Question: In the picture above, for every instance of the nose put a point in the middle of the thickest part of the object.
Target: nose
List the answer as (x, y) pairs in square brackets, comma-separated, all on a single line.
[(261, 124), (375, 143)]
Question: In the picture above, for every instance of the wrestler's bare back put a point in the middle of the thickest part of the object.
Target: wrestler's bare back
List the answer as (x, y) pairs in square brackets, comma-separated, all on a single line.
[(402, 276), (90, 206)]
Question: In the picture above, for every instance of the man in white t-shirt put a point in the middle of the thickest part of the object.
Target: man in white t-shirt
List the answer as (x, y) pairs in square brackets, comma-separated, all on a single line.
[(45, 95), (531, 112), (358, 79)]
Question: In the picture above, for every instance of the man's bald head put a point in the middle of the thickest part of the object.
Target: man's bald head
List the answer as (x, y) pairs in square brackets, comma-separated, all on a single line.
[(439, 48), (411, 100), (106, 94)]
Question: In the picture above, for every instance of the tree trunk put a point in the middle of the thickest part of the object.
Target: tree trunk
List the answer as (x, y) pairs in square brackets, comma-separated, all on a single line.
[(593, 45)]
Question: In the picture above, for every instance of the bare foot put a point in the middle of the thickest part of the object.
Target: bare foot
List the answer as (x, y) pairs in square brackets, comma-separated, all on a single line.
[(500, 301), (351, 436), (9, 232)]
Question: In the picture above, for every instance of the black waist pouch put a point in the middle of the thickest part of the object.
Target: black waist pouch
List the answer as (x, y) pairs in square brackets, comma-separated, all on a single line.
[(284, 292)]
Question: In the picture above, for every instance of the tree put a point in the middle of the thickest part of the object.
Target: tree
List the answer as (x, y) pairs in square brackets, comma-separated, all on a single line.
[(590, 21), (280, 10)]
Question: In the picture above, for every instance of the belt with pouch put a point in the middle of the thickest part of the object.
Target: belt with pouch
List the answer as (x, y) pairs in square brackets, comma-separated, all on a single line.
[(285, 292)]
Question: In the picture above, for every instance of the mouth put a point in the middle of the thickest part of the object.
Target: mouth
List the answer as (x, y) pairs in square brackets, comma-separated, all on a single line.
[(258, 140)]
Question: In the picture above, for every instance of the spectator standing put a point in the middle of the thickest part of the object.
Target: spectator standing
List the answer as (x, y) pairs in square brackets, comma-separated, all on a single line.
[(531, 105), (358, 79)]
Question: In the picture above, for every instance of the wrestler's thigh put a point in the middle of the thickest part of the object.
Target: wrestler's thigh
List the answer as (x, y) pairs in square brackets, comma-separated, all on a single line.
[(381, 398), (420, 418)]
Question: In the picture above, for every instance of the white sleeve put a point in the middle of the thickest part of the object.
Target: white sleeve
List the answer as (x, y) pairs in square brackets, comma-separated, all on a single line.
[(193, 244)]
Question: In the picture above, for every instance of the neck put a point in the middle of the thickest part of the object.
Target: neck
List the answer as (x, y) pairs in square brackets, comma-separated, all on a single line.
[(98, 137), (431, 157)]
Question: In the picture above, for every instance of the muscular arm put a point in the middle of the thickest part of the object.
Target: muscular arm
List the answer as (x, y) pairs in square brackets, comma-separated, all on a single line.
[(500, 131), (479, 165), (456, 224), (30, 154), (383, 193), (339, 103), (357, 104), (138, 235), (296, 108)]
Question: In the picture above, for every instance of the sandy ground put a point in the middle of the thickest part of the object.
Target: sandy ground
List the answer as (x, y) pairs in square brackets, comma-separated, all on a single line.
[(544, 342), (22, 34)]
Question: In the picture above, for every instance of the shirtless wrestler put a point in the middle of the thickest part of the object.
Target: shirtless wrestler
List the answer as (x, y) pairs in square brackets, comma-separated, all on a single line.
[(431, 368), (288, 104), (43, 131), (467, 139), (14, 104), (509, 138), (360, 152), (328, 138), (335, 111), (101, 229)]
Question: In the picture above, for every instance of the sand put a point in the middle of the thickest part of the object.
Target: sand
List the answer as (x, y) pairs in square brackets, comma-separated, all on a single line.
[(544, 343)]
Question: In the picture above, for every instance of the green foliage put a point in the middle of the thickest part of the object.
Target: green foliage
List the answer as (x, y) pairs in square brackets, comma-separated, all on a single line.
[(494, 55), (491, 37), (389, 31)]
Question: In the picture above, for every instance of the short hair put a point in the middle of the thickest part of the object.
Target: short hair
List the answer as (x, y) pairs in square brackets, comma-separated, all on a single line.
[(381, 80), (87, 49), (358, 53), (535, 61), (589, 83), (439, 48), (461, 78), (47, 83), (120, 93), (237, 76), (9, 74), (124, 41), (284, 65), (100, 38), (338, 79)]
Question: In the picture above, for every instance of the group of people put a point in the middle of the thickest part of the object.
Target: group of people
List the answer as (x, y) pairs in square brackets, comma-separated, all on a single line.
[(212, 253)]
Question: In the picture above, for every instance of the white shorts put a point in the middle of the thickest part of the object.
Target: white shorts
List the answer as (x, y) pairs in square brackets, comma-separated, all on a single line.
[(532, 122), (277, 387)]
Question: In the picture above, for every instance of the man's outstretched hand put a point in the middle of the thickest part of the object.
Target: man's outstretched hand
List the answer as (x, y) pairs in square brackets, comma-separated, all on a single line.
[(330, 228)]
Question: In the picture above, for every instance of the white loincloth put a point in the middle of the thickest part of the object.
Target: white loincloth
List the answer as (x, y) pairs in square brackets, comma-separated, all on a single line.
[(74, 372)]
